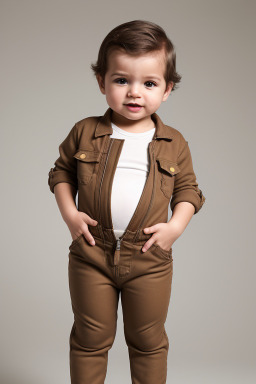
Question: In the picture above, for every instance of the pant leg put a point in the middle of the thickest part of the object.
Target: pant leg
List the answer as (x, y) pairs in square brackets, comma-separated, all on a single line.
[(145, 300), (94, 300)]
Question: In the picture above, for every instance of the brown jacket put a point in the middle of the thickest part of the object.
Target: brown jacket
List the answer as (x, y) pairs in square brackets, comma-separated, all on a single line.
[(88, 160)]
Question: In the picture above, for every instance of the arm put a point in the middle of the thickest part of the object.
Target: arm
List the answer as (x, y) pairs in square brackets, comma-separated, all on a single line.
[(187, 200), (62, 180), (64, 170), (65, 195), (181, 216), (186, 186)]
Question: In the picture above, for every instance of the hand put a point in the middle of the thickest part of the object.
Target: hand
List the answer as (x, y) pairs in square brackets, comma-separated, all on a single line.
[(164, 235), (78, 225)]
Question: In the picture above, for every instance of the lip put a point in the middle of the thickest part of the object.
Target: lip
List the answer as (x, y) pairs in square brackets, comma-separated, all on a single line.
[(133, 107)]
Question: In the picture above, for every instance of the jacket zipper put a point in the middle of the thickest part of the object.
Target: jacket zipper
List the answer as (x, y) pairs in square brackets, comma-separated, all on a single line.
[(118, 245), (111, 142), (151, 201)]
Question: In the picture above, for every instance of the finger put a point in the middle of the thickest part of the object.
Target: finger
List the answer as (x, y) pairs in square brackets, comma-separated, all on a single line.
[(89, 238), (148, 244), (150, 229), (89, 220), (92, 222)]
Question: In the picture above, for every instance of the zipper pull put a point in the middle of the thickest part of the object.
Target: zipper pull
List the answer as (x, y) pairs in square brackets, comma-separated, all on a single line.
[(117, 252), (118, 244)]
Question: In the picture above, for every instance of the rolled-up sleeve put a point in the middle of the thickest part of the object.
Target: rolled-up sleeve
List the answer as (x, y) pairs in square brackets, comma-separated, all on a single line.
[(65, 167), (186, 186)]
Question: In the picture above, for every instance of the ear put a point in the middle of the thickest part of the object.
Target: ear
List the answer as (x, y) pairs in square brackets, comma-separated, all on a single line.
[(168, 91), (101, 84)]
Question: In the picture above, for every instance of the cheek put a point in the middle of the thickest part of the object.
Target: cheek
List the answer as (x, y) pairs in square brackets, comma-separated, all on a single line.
[(152, 100), (156, 98), (114, 93)]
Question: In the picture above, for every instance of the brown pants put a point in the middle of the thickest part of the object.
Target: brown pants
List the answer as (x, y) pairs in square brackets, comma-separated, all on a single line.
[(97, 274)]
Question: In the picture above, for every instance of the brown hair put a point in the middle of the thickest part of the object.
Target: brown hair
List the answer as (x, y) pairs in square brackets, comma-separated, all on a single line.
[(138, 37)]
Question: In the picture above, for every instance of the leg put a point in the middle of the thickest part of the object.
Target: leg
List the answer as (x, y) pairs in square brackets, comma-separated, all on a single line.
[(94, 302), (145, 300)]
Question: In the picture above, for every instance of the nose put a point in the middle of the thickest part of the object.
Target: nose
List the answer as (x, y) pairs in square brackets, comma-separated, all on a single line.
[(134, 91)]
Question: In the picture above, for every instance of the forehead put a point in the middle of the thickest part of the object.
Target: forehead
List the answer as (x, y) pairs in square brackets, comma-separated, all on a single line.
[(119, 60)]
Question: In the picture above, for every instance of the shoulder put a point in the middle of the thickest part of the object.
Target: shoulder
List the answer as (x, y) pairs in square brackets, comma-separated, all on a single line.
[(178, 139), (88, 120), (88, 123)]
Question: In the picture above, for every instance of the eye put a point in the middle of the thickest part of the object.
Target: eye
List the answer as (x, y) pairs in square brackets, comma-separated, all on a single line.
[(120, 81), (150, 82)]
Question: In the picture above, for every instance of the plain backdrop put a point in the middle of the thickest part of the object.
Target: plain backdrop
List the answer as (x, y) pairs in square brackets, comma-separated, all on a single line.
[(46, 87)]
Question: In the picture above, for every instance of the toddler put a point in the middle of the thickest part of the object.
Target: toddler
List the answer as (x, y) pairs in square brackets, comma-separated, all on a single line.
[(127, 166)]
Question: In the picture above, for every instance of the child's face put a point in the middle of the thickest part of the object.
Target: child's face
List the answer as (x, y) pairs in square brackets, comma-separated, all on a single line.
[(137, 80)]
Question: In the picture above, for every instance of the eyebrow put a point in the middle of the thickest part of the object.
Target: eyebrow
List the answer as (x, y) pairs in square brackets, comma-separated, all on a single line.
[(125, 74)]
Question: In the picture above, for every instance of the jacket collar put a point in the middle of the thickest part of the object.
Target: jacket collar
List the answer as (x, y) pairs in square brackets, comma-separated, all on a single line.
[(104, 126)]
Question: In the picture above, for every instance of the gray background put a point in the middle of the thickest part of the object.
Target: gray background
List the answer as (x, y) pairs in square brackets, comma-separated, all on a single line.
[(47, 86)]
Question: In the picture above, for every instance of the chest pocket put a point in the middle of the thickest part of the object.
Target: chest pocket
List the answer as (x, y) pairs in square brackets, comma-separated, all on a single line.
[(86, 164), (167, 170)]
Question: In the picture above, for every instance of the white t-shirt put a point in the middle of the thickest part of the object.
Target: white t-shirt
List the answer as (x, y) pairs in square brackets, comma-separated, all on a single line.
[(130, 176)]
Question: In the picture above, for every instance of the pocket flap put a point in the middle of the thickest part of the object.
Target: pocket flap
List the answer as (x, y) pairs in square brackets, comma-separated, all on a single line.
[(169, 166), (87, 156)]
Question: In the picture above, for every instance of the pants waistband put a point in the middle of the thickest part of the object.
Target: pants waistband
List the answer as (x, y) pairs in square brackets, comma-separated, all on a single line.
[(107, 234)]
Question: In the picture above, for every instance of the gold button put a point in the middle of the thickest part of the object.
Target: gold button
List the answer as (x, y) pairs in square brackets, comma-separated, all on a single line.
[(172, 169), (82, 156)]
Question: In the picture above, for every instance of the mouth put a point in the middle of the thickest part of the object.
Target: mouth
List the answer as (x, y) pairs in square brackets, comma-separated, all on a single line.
[(133, 105)]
